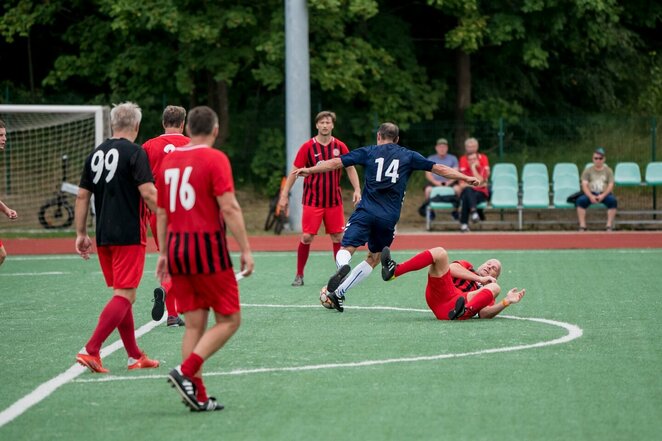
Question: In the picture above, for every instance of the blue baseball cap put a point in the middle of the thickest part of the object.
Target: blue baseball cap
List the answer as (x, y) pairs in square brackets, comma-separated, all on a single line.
[(600, 151)]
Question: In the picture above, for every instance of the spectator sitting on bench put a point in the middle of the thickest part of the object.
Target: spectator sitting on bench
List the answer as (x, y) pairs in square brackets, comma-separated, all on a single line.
[(440, 157), (597, 185), (470, 197)]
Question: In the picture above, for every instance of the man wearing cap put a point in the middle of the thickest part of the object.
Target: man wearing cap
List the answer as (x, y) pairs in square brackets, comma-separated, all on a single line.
[(440, 157), (597, 185)]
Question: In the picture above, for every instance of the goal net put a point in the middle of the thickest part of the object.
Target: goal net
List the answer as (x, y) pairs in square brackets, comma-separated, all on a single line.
[(46, 147)]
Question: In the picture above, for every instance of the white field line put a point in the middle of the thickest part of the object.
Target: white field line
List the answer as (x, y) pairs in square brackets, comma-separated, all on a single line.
[(70, 375), (47, 273), (574, 332), (47, 388)]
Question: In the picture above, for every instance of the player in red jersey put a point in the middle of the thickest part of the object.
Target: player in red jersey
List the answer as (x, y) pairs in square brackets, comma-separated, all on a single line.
[(11, 214), (157, 148), (455, 290), (195, 206), (117, 173), (322, 194)]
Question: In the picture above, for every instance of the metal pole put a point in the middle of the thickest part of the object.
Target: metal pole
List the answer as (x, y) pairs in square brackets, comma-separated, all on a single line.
[(501, 134), (297, 94)]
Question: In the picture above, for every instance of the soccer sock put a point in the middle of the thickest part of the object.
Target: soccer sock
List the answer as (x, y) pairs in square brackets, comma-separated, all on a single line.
[(342, 258), (170, 304), (202, 390), (480, 300), (336, 248), (419, 261), (192, 364), (302, 257), (358, 274), (127, 332), (109, 319)]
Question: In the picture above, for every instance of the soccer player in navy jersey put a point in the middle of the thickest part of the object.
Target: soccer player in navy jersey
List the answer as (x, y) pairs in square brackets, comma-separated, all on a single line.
[(388, 167), (455, 290), (157, 148), (117, 173), (11, 214), (322, 194), (195, 207)]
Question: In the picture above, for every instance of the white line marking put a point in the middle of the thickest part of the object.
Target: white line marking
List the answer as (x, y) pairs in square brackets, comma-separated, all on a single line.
[(45, 389), (574, 332), (48, 273)]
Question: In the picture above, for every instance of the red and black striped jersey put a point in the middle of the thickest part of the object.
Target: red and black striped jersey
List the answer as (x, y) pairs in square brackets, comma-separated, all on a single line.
[(321, 190), (193, 177), (113, 172), (462, 284)]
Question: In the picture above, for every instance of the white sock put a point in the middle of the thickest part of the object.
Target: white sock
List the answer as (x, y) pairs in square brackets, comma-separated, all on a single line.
[(342, 258), (357, 275)]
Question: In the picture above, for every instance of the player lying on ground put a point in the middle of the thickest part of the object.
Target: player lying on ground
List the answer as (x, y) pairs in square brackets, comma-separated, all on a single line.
[(455, 291)]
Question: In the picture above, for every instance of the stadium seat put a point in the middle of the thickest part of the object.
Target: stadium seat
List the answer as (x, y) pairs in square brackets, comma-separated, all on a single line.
[(503, 168), (536, 181), (504, 197), (437, 192), (534, 169), (627, 174), (564, 185), (654, 173), (565, 169), (504, 180)]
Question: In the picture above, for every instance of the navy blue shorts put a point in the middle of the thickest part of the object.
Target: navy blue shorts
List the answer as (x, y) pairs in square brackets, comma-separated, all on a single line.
[(363, 227), (609, 201)]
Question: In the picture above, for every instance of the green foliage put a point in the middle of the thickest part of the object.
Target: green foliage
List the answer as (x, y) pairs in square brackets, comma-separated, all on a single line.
[(268, 159)]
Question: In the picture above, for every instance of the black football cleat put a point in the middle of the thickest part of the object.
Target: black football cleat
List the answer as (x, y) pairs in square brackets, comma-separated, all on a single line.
[(338, 278), (388, 265), (336, 300), (459, 309)]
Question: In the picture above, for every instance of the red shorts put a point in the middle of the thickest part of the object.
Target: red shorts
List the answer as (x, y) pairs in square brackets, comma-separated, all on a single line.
[(441, 295), (0, 243), (122, 265), (218, 291), (333, 217)]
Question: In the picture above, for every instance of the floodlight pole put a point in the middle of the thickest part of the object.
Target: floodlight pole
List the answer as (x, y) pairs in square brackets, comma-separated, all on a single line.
[(297, 94)]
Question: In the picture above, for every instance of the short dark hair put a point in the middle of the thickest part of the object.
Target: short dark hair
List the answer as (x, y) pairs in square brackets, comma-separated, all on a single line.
[(325, 114), (174, 116), (2, 124), (389, 131), (201, 121)]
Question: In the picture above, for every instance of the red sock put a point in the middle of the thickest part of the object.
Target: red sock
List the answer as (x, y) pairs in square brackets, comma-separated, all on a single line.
[(480, 300), (336, 248), (419, 261), (202, 390), (192, 365), (127, 332), (109, 319), (302, 257)]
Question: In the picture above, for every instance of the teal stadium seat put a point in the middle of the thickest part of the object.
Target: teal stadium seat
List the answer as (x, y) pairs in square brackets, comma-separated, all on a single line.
[(503, 168), (565, 169), (437, 191), (564, 185), (535, 197), (504, 180), (654, 173), (534, 169), (504, 198), (627, 174)]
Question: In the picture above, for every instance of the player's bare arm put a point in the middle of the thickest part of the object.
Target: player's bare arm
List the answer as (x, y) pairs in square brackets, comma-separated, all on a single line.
[(320, 167), (234, 219), (83, 242), (284, 199), (11, 214), (162, 261), (451, 173), (148, 193), (460, 272), (356, 185), (513, 296)]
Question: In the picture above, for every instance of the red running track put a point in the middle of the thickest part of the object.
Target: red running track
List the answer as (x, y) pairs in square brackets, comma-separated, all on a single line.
[(406, 241)]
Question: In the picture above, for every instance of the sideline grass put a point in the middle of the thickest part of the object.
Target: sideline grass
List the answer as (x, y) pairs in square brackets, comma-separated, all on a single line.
[(604, 385)]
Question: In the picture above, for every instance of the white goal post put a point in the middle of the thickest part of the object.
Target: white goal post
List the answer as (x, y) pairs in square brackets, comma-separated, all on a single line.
[(44, 155)]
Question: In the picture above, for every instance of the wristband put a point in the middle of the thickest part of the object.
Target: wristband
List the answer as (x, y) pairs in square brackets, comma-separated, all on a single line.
[(505, 303)]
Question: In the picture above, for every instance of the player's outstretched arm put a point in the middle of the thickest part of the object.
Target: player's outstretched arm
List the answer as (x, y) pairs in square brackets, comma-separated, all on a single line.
[(451, 173), (513, 296), (320, 167)]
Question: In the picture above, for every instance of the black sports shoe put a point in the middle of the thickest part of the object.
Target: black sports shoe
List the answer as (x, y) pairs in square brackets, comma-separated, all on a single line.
[(459, 309), (185, 387), (388, 265), (210, 405), (159, 304), (336, 300), (337, 278)]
